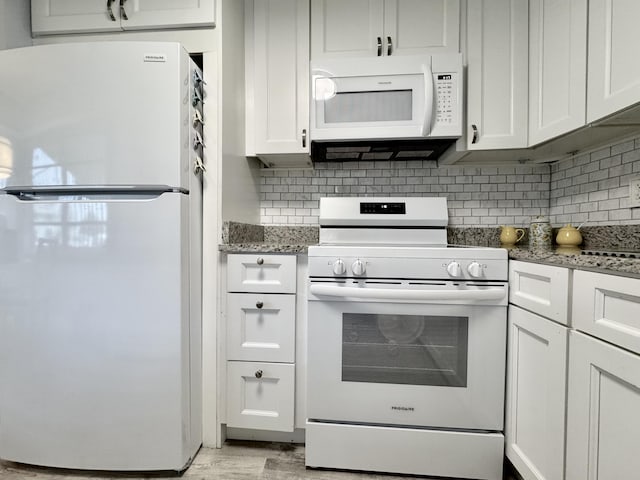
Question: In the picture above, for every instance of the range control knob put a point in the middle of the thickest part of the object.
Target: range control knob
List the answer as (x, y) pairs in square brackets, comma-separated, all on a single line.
[(475, 269), (358, 268), (339, 267), (454, 269)]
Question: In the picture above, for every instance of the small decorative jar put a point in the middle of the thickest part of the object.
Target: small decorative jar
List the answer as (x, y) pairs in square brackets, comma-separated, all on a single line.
[(540, 232), (569, 236)]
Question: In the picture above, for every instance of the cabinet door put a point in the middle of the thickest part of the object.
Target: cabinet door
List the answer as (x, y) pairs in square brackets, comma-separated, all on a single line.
[(557, 67), (260, 396), (413, 27), (536, 385), (143, 14), (497, 74), (281, 76), (603, 424), (608, 307), (261, 273), (346, 29), (80, 16), (543, 289), (613, 70), (261, 327)]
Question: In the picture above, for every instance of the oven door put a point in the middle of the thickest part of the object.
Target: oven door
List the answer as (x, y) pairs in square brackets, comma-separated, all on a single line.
[(407, 361)]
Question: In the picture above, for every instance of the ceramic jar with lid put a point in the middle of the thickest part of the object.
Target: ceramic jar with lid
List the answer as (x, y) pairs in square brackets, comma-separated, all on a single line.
[(540, 232), (569, 236)]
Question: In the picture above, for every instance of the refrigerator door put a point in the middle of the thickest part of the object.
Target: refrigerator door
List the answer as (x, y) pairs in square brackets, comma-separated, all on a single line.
[(96, 113), (96, 339)]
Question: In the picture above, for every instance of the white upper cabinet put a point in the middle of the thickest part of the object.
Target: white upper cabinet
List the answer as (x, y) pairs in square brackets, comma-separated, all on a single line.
[(143, 14), (56, 16), (557, 67), (277, 76), (614, 70), (360, 28), (497, 74), (86, 16), (412, 27)]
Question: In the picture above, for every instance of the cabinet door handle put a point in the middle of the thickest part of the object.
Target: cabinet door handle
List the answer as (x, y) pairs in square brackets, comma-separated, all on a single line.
[(389, 46), (474, 139), (110, 10), (259, 305), (379, 46), (304, 138), (260, 261), (258, 374), (123, 12)]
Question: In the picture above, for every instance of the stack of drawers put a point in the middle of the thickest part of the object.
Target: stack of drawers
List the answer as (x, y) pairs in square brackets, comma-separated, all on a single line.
[(260, 341)]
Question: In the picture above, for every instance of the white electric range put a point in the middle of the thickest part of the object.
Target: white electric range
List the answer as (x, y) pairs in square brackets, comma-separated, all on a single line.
[(406, 343)]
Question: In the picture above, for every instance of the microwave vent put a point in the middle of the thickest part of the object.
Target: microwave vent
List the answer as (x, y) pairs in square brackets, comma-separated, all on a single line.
[(367, 150)]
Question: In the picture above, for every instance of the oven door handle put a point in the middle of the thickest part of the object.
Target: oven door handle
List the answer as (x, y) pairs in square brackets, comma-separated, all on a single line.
[(397, 294)]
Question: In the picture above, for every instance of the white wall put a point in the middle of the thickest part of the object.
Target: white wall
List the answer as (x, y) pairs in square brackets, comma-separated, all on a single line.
[(240, 175), (15, 24)]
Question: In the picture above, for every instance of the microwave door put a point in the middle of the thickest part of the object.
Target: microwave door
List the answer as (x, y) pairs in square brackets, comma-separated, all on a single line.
[(369, 107)]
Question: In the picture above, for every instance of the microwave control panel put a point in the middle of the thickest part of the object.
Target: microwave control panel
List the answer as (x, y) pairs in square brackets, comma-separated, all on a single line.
[(447, 101)]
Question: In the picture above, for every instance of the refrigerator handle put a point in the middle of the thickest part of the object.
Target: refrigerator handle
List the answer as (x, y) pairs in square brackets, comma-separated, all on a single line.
[(90, 193)]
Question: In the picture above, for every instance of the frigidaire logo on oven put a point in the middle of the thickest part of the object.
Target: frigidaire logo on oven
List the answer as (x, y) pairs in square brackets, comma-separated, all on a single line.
[(402, 409)]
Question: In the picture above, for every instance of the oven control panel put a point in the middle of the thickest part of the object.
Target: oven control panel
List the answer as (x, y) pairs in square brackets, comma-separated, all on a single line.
[(473, 268)]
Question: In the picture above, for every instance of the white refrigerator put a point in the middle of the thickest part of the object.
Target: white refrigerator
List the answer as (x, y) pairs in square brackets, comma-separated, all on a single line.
[(100, 256)]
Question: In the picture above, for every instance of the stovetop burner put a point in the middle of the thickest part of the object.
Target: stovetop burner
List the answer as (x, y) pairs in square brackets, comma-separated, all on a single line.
[(611, 253)]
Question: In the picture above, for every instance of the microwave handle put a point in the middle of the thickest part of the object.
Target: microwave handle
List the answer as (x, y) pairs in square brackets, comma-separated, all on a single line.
[(428, 99)]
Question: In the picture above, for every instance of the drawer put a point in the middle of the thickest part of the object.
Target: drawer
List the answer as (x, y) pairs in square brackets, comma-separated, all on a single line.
[(261, 273), (260, 396), (261, 327), (607, 307), (542, 289)]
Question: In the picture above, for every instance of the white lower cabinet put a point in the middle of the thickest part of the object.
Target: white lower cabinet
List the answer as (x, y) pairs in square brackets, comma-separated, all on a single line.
[(260, 327), (260, 347), (603, 414), (573, 394), (542, 289), (536, 385), (260, 396), (608, 308)]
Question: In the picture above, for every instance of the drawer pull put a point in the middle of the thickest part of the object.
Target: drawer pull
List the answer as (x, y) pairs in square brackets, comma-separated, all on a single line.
[(259, 304), (260, 261), (258, 373)]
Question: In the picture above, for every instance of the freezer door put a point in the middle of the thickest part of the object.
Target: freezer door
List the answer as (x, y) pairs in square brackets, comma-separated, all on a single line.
[(95, 331), (96, 114)]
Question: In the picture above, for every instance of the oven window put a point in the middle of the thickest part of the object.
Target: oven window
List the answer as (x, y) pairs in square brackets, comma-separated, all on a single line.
[(380, 106), (405, 349)]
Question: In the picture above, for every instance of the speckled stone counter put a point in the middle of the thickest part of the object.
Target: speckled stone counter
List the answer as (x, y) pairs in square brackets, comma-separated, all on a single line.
[(574, 258), (246, 238)]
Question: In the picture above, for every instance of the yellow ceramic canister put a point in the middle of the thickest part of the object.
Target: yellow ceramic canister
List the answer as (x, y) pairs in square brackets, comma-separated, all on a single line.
[(569, 235)]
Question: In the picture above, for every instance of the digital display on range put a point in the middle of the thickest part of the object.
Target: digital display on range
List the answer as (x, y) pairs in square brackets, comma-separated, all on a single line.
[(379, 208)]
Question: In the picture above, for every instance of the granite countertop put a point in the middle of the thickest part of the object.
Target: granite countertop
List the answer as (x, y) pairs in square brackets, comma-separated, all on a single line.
[(575, 258), (245, 238)]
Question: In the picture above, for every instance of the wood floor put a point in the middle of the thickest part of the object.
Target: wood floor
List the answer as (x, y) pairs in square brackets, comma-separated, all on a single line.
[(235, 461)]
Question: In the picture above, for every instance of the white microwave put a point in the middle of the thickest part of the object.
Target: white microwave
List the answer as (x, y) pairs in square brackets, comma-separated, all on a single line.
[(403, 97)]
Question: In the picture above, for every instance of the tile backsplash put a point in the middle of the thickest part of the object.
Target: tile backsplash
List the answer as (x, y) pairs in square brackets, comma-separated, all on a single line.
[(591, 187), (594, 188)]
